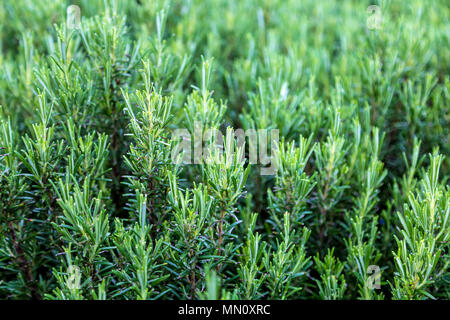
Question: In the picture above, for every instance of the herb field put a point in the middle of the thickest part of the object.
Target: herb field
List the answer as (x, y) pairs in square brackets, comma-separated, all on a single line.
[(224, 149)]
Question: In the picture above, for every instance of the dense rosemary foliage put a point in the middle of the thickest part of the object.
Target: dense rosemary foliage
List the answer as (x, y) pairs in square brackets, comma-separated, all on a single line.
[(96, 201)]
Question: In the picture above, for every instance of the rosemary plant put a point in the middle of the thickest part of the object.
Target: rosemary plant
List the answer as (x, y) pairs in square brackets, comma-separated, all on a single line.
[(224, 149)]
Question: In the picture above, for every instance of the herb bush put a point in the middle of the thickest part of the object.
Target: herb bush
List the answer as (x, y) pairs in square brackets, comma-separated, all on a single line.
[(93, 205)]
